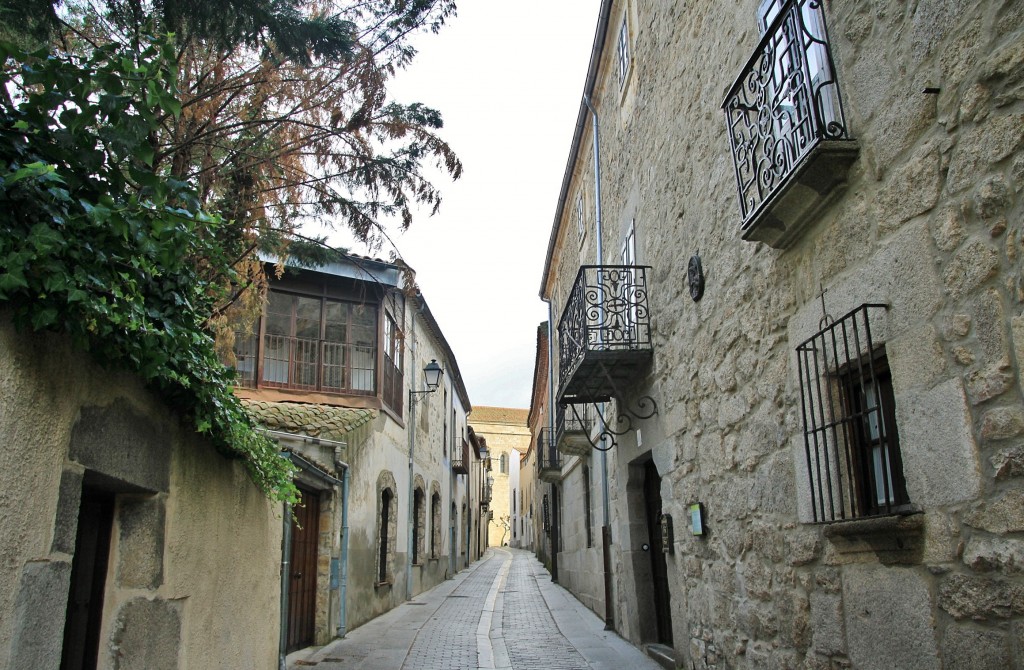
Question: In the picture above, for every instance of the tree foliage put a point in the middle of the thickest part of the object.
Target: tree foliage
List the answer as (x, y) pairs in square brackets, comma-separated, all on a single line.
[(274, 140), (146, 180), (100, 245)]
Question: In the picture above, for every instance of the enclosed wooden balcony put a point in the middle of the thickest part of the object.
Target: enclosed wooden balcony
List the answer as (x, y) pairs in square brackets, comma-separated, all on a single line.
[(790, 144), (604, 335), (305, 364)]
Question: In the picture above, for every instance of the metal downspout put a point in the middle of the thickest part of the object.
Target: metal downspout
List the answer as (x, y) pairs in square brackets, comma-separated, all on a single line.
[(343, 570), (551, 431), (606, 531), (286, 552), (412, 449)]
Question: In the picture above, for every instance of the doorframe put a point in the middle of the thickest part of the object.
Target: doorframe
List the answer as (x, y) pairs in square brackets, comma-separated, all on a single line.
[(89, 567)]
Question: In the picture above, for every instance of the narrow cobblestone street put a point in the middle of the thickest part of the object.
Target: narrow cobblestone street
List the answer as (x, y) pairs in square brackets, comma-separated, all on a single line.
[(502, 612)]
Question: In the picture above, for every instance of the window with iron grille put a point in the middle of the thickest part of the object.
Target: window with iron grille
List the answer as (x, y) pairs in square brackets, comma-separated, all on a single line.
[(851, 442)]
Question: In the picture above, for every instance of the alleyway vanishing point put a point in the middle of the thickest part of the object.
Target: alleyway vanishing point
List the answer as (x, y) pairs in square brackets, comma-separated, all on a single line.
[(502, 612)]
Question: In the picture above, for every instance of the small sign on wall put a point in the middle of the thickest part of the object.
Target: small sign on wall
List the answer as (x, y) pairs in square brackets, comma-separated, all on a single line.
[(697, 518), (666, 533)]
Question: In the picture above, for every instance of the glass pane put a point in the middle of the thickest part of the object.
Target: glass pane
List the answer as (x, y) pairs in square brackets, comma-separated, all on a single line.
[(336, 317), (307, 318), (279, 314)]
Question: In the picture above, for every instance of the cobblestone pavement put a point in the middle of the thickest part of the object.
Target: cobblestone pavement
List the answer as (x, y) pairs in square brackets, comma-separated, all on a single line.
[(503, 612)]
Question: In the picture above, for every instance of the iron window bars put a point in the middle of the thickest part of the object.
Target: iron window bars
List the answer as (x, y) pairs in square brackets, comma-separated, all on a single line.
[(851, 444), (784, 103)]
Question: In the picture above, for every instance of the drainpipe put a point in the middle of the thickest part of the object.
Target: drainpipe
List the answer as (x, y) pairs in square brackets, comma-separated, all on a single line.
[(606, 530), (346, 484), (551, 436), (412, 448), (286, 552)]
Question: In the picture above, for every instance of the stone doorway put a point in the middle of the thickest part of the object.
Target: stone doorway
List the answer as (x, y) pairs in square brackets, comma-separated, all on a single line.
[(662, 602), (88, 581)]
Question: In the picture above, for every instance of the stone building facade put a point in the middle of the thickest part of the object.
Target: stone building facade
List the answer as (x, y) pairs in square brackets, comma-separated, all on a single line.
[(802, 245), (507, 437)]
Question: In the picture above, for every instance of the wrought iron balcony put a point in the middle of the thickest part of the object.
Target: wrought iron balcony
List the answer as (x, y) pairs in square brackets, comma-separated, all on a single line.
[(790, 144), (460, 459), (573, 424), (548, 460), (604, 335)]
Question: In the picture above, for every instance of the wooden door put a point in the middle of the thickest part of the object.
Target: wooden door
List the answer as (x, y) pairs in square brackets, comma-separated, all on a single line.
[(659, 569), (303, 564)]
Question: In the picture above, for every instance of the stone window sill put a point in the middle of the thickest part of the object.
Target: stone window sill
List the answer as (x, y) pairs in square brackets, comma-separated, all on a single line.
[(893, 539)]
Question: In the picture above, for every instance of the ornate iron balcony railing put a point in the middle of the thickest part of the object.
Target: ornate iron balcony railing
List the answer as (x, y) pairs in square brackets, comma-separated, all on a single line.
[(604, 332), (784, 104), (573, 424), (549, 461), (460, 459)]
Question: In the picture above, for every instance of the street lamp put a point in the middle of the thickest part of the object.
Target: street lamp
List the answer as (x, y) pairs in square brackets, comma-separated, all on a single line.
[(432, 373)]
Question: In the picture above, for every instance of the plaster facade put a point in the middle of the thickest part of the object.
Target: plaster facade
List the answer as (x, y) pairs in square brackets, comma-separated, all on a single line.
[(927, 222), (395, 519), (192, 576)]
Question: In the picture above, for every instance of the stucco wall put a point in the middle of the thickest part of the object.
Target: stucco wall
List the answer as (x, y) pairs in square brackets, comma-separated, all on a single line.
[(193, 576), (930, 224), (386, 449)]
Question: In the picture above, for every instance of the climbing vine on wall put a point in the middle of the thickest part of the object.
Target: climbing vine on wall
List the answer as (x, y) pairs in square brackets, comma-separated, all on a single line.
[(98, 245)]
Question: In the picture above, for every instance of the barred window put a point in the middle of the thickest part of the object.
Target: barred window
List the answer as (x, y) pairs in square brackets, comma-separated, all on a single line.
[(851, 443)]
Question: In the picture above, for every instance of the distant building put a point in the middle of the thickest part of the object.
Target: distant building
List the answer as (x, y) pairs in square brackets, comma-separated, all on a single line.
[(506, 435), (785, 290)]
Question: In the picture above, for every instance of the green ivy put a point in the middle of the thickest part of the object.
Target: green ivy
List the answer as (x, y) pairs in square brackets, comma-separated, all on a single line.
[(119, 256)]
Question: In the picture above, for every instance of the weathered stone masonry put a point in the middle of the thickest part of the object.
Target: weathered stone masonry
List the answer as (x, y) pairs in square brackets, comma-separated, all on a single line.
[(929, 223)]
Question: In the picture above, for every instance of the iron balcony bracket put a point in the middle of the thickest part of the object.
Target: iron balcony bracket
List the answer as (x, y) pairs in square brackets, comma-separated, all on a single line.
[(645, 408)]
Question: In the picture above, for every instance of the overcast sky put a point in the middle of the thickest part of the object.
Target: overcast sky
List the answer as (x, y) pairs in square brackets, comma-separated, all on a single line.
[(508, 79)]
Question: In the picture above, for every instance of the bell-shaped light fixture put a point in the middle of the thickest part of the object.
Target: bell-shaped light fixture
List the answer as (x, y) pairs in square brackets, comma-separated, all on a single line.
[(432, 375)]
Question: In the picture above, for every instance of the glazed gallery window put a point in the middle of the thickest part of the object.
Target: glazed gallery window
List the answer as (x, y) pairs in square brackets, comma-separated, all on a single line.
[(392, 376), (853, 463), (316, 343)]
